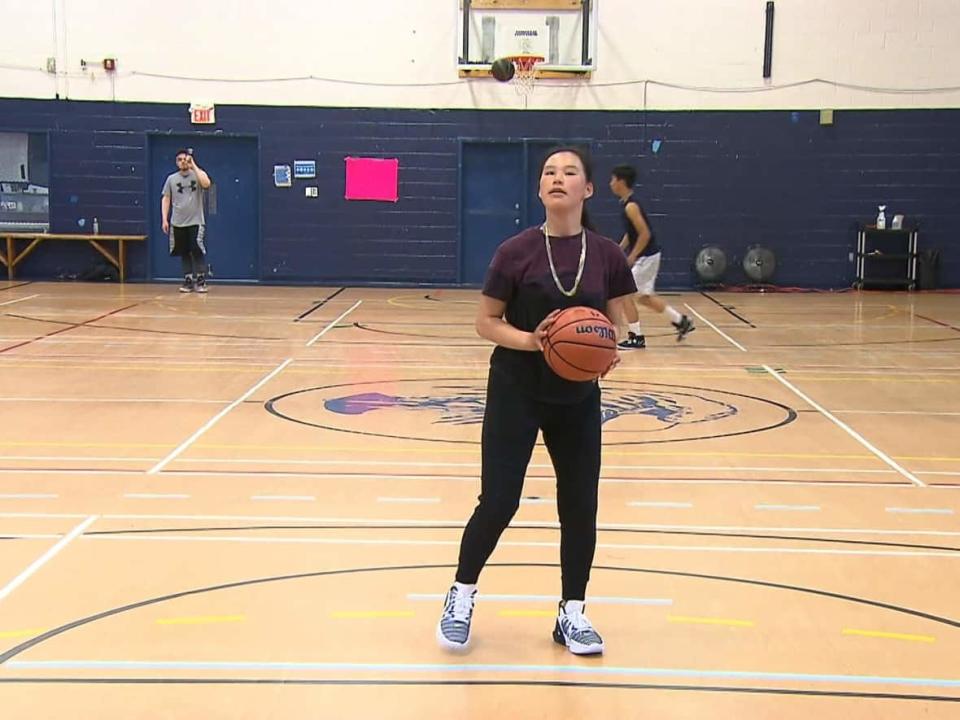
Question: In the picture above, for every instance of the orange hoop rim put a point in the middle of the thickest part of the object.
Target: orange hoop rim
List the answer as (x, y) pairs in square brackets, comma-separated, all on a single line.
[(525, 62)]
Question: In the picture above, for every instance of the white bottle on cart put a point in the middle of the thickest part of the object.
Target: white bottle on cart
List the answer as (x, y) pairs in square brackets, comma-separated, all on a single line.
[(882, 218)]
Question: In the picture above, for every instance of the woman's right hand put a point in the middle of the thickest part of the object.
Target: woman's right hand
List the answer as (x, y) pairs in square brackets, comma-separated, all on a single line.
[(539, 335)]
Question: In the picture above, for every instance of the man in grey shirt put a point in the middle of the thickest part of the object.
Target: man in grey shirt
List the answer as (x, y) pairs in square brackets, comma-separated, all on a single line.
[(183, 191)]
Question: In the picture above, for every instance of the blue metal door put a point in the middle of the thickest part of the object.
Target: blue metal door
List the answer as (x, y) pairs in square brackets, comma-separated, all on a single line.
[(231, 205), (492, 202)]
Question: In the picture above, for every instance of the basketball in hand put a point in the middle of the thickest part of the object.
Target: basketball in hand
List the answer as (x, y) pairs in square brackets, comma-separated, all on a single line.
[(581, 344)]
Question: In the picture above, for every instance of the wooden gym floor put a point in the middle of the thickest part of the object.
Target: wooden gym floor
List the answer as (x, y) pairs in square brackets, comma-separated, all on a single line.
[(248, 505)]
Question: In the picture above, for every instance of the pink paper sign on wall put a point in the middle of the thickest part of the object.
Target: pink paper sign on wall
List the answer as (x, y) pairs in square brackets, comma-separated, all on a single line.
[(372, 179)]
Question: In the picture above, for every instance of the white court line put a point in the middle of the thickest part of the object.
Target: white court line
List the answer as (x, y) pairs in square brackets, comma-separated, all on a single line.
[(895, 412), (591, 599), (11, 302), (414, 500), (846, 428), (157, 496), (921, 511), (459, 523), (477, 669), (393, 542), (660, 504), (334, 322), (718, 330), (538, 466), (27, 496), (305, 498), (45, 516), (461, 478), (192, 401), (788, 508), (82, 458), (43, 559), (36, 471), (210, 423), (149, 361)]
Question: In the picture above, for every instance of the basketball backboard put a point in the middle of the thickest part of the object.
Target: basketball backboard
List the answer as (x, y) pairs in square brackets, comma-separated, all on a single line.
[(563, 32)]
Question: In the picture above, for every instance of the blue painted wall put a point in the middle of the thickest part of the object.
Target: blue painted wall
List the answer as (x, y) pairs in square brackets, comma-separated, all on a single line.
[(730, 178)]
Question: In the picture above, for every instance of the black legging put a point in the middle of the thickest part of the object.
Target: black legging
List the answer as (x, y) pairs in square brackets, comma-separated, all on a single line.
[(572, 436)]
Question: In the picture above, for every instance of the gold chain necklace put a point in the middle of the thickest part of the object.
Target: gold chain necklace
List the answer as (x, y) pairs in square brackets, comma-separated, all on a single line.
[(553, 269)]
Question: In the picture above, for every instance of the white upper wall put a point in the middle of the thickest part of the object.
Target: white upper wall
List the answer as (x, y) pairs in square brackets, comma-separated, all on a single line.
[(383, 53)]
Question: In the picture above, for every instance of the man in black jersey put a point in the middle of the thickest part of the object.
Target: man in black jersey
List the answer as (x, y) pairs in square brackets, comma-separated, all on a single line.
[(643, 256)]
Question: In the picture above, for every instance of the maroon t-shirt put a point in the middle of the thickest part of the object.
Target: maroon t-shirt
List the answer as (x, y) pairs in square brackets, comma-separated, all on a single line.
[(519, 275)]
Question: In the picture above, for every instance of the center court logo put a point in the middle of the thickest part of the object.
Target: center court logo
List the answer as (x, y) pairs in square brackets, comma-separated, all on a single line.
[(467, 408), (451, 411)]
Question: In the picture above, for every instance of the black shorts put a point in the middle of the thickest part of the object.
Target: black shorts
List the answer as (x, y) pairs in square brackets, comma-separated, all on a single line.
[(187, 240)]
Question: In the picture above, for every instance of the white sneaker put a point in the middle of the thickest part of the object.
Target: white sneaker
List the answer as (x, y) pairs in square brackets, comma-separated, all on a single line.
[(453, 630), (574, 630)]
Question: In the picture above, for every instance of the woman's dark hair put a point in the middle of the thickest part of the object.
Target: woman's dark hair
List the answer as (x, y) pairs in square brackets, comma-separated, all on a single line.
[(584, 156)]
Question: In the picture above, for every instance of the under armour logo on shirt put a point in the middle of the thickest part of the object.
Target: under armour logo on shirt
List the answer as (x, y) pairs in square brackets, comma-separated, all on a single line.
[(181, 186)]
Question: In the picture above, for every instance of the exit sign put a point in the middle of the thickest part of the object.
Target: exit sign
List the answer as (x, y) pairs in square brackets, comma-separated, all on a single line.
[(202, 114)]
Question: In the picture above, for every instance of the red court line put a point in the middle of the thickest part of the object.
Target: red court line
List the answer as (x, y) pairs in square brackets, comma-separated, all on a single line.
[(70, 327)]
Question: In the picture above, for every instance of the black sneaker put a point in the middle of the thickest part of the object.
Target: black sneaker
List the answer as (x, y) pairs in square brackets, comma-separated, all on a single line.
[(453, 630), (684, 327), (201, 285), (633, 342), (187, 284), (574, 630)]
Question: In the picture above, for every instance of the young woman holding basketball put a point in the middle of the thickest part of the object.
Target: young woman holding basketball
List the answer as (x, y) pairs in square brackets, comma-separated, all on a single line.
[(533, 275)]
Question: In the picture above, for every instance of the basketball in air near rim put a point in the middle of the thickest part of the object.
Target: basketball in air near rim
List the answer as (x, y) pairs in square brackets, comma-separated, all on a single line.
[(581, 344), (503, 69)]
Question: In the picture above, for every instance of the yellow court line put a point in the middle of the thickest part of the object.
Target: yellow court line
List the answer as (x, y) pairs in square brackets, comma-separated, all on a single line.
[(860, 378), (462, 451), (528, 613), (327, 449), (311, 371), (889, 635), (39, 443), (201, 620), (709, 621), (254, 366), (607, 451), (251, 368), (468, 451), (367, 614), (21, 633), (395, 301)]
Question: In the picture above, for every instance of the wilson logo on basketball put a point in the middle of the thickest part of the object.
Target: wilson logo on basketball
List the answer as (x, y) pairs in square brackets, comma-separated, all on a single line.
[(604, 332)]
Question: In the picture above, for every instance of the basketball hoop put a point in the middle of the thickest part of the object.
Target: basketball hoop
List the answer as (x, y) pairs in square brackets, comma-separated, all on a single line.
[(525, 73)]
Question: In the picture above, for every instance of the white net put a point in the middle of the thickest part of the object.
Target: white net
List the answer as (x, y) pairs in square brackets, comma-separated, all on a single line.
[(525, 75)]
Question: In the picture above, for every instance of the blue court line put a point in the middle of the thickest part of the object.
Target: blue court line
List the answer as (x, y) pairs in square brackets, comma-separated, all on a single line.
[(474, 668)]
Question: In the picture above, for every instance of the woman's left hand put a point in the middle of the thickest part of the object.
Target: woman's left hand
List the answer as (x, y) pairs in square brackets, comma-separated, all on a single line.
[(540, 333)]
